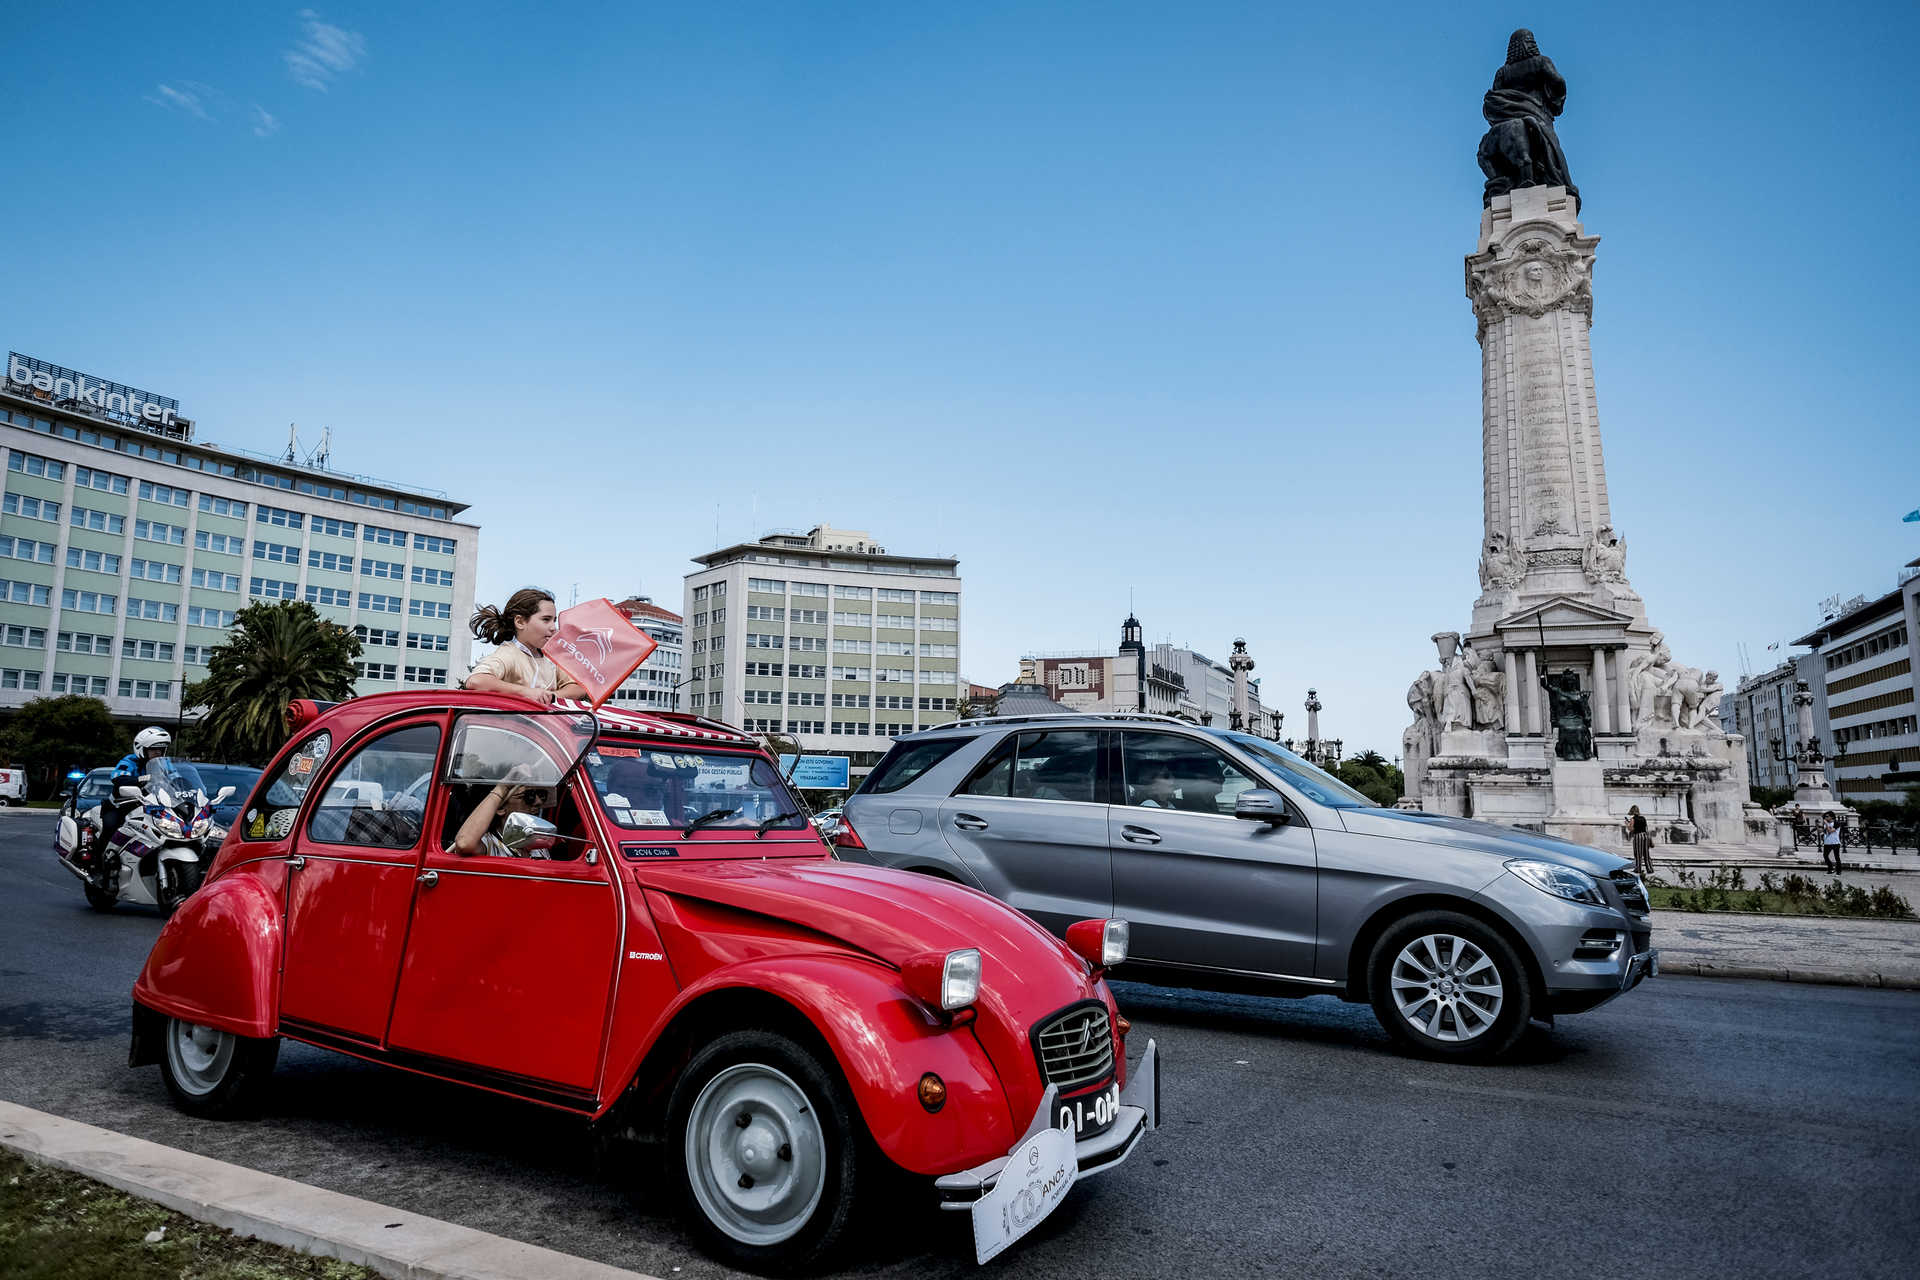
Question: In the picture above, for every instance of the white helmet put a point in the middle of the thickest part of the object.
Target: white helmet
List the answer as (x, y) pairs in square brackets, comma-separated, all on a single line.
[(154, 736)]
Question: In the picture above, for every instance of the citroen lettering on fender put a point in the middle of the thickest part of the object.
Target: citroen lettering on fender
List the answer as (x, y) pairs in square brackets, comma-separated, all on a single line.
[(646, 955)]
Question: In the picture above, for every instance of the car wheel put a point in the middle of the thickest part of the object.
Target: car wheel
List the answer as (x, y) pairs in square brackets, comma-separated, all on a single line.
[(215, 1073), (1447, 986), (765, 1143)]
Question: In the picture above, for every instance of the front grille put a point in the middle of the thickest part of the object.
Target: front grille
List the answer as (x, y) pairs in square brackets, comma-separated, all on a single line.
[(1076, 1048), (1632, 896)]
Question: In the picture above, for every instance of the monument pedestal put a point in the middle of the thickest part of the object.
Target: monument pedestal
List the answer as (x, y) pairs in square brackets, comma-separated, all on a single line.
[(1580, 804)]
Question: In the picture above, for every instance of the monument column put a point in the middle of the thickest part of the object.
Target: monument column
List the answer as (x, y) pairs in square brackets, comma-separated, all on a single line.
[(1602, 711), (1532, 695), (1622, 708), (1513, 695)]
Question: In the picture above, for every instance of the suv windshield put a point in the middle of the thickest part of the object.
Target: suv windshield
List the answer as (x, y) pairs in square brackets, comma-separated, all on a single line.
[(1312, 781), (663, 788)]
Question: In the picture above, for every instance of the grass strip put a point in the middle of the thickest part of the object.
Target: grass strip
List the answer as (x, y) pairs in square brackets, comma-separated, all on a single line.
[(56, 1225)]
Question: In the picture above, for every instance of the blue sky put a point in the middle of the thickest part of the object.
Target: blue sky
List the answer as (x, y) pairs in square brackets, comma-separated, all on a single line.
[(1160, 299)]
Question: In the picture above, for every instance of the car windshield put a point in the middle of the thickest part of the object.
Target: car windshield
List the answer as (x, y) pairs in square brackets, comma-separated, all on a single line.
[(177, 778), (97, 785), (1312, 781), (669, 788), (238, 776)]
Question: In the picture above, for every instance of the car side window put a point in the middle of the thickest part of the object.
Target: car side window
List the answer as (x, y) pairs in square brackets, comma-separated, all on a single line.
[(276, 806), (373, 800), (993, 776), (1168, 771), (1058, 764)]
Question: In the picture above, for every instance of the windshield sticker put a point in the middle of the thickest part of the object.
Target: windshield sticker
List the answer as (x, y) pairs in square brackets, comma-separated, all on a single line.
[(666, 761), (649, 851), (256, 825), (646, 817), (302, 766), (624, 753)]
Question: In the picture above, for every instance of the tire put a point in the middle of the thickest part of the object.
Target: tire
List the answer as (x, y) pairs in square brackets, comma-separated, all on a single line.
[(1446, 986), (776, 1192), (214, 1073), (97, 898), (178, 880)]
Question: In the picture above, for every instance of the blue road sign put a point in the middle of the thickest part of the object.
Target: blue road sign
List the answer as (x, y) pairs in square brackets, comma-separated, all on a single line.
[(815, 773)]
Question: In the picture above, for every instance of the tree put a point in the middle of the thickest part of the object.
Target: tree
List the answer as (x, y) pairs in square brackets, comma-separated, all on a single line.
[(48, 736), (277, 652), (968, 707), (1372, 776)]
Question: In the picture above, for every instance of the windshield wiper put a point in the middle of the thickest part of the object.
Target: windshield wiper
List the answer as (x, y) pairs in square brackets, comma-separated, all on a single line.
[(711, 815), (761, 830)]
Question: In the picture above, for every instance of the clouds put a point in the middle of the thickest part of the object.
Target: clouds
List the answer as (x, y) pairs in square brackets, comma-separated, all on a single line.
[(265, 123), (323, 52), (188, 97)]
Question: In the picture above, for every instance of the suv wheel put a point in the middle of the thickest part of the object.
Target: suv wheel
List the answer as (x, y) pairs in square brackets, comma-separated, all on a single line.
[(1446, 986), (765, 1143)]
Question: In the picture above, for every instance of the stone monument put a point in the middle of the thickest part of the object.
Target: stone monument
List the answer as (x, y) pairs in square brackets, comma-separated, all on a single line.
[(1561, 705)]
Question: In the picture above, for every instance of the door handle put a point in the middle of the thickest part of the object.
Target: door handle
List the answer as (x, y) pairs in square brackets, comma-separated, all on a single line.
[(1139, 835), (967, 822), (429, 879), (295, 863)]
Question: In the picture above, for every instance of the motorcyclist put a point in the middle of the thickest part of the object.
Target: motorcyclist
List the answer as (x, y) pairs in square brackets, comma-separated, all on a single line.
[(148, 744)]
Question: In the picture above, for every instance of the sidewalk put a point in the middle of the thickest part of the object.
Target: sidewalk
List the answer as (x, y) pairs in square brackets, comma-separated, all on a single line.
[(1826, 949), (326, 1224)]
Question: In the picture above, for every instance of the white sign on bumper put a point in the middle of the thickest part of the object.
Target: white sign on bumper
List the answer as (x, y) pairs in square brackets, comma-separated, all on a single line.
[(1036, 1178)]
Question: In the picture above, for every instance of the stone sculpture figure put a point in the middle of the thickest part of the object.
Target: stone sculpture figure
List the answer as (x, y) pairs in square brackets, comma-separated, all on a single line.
[(1520, 148), (1488, 685), (1456, 696), (1605, 557), (1501, 564), (1417, 743), (1692, 698), (1572, 713), (1649, 681)]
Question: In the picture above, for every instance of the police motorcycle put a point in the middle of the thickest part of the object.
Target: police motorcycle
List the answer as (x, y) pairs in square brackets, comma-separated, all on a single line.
[(164, 846)]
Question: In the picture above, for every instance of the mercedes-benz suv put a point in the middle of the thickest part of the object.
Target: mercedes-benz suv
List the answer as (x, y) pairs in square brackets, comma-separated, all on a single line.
[(1241, 866)]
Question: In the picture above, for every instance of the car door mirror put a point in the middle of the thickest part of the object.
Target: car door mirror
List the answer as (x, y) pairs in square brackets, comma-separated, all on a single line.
[(526, 832), (1261, 806)]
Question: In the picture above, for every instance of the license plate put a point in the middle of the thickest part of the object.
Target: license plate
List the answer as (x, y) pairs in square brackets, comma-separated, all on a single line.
[(1038, 1174), (1088, 1113)]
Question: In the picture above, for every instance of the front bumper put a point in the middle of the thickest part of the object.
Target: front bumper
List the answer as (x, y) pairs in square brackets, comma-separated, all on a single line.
[(1558, 932), (1137, 1115)]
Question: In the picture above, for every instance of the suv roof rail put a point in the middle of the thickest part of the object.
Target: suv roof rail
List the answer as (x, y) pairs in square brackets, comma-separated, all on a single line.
[(1030, 716)]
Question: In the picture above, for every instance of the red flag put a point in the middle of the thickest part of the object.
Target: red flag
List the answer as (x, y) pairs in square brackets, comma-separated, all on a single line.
[(599, 646)]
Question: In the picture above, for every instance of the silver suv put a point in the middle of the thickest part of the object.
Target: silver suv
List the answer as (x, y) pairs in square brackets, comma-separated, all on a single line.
[(1242, 867)]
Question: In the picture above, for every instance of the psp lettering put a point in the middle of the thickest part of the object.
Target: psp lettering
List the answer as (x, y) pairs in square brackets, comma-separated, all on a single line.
[(77, 387)]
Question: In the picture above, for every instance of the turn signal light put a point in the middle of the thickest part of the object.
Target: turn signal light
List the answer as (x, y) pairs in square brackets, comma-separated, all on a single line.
[(933, 1092), (1123, 1025)]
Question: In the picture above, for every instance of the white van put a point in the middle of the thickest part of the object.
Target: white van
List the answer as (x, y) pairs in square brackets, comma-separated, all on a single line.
[(13, 787)]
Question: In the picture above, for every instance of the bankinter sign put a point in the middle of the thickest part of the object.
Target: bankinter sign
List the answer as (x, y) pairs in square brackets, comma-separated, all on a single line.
[(129, 404)]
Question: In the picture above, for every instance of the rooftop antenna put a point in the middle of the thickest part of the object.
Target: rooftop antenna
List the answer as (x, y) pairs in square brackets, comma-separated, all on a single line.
[(293, 443), (320, 456)]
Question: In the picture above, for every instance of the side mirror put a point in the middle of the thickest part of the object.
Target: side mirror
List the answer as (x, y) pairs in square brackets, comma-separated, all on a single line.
[(1261, 806), (221, 795), (126, 792), (526, 832)]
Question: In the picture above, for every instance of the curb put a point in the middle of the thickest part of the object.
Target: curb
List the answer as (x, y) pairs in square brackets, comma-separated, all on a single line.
[(326, 1224), (1772, 973)]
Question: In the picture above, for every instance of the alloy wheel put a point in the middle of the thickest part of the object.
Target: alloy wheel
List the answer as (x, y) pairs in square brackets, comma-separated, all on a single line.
[(1446, 988), (756, 1154)]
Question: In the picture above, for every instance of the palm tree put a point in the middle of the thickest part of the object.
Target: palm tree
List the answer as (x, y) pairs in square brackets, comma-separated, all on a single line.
[(276, 653), (1372, 759)]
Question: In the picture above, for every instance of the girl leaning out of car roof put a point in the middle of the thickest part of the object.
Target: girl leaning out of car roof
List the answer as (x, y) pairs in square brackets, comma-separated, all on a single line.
[(521, 629)]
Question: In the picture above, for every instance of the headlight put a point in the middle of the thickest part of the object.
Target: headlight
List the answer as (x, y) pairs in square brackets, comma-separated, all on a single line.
[(1561, 882), (946, 980)]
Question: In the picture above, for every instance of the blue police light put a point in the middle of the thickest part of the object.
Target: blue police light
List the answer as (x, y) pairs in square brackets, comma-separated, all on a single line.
[(76, 775)]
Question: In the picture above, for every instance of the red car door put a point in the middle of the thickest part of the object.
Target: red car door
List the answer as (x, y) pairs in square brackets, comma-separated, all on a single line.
[(352, 880), (510, 961)]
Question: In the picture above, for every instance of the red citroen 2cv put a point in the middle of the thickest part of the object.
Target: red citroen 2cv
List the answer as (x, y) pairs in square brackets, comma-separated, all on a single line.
[(629, 917)]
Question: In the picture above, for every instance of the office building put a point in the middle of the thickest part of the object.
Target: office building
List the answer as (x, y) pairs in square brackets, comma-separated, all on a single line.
[(1161, 679), (826, 637), (1863, 656), (655, 686), (127, 546)]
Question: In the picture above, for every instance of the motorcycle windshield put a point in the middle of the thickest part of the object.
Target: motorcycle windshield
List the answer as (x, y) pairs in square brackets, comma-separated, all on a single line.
[(177, 778)]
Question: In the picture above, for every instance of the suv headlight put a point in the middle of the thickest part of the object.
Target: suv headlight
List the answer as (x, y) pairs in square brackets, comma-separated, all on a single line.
[(1561, 882)]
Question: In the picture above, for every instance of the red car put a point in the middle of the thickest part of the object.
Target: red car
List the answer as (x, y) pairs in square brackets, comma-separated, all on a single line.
[(647, 932)]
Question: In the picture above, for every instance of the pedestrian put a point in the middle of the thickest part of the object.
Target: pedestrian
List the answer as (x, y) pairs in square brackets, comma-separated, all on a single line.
[(1642, 840), (1830, 846), (521, 628)]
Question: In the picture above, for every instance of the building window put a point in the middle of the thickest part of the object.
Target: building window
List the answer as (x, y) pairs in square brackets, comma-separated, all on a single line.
[(378, 603), (335, 528), (13, 678), (850, 700), (433, 577), (273, 589), (155, 531), (33, 464), (153, 610), (898, 621), (861, 674), (426, 640), (196, 655), (18, 504), (383, 569), (146, 688), (280, 516), (806, 726), (429, 608), (164, 493), (385, 537), (27, 549), (34, 593), (378, 670), (439, 546), (214, 580), (147, 650), (761, 640), (853, 593), (24, 637), (426, 675), (893, 594), (843, 644), (227, 544), (765, 613), (223, 506), (939, 650), (99, 521), (105, 481), (807, 671), (939, 597), (330, 561), (340, 597), (386, 636), (154, 570), (768, 586), (84, 601), (939, 624), (809, 588), (199, 617), (851, 727)]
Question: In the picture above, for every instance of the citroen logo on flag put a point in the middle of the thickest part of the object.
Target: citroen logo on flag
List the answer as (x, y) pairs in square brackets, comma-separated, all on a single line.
[(601, 638)]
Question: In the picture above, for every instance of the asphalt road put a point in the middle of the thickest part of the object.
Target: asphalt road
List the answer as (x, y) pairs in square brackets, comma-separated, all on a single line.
[(1696, 1127)]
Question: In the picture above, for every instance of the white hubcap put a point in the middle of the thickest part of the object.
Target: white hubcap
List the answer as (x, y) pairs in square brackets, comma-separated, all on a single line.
[(756, 1154), (1446, 987), (200, 1056)]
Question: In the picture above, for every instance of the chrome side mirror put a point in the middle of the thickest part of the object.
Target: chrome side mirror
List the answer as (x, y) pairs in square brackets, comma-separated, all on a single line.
[(527, 832), (1261, 806)]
